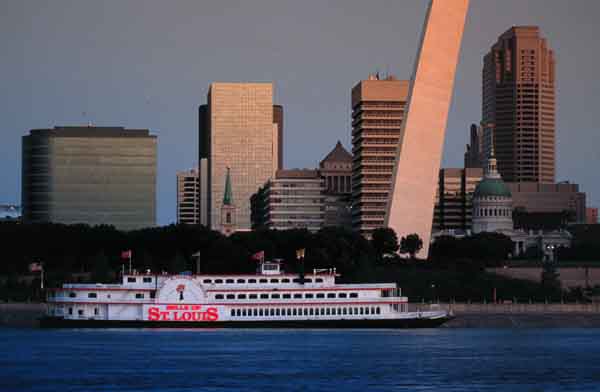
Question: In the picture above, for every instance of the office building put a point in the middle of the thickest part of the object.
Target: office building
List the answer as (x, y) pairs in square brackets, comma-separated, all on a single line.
[(591, 216), (336, 169), (239, 129), (474, 154), (92, 175), (188, 186), (532, 197), (454, 198), (518, 105), (377, 115), (294, 199)]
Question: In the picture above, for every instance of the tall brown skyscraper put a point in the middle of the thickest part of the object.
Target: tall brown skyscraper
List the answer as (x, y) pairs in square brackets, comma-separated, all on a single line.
[(518, 110), (377, 114)]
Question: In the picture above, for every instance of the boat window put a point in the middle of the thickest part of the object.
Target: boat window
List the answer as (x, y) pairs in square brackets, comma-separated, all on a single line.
[(232, 312), (328, 311), (147, 280), (244, 312), (252, 296), (80, 312), (207, 281), (355, 310), (305, 311), (70, 310), (153, 294), (378, 309), (342, 295), (229, 281), (319, 280), (219, 296), (308, 280), (255, 312), (353, 295), (264, 296), (241, 280), (274, 280), (218, 280), (96, 311), (289, 312), (251, 280), (366, 310), (286, 280), (230, 296), (339, 311), (275, 296), (322, 311), (330, 295), (295, 312), (308, 295), (286, 296), (296, 280), (372, 310), (344, 310), (72, 294), (278, 312), (297, 295), (139, 295), (238, 312), (241, 296), (272, 312), (92, 295), (320, 295), (263, 281), (362, 310), (261, 312), (311, 311), (131, 280)]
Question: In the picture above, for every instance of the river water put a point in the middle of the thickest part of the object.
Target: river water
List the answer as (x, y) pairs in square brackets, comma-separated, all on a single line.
[(300, 360)]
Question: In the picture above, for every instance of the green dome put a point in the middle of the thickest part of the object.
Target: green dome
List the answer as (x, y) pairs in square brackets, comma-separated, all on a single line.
[(492, 187)]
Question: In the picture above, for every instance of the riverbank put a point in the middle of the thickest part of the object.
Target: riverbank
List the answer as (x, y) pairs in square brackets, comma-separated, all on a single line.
[(467, 315)]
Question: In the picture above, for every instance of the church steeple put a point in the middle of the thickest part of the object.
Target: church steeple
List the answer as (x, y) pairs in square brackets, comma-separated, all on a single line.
[(491, 170), (228, 194)]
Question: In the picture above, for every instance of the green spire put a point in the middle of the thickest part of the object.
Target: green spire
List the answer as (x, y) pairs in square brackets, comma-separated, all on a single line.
[(228, 196)]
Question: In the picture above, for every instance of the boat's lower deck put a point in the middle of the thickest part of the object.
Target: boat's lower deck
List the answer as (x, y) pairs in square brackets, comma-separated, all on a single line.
[(57, 322)]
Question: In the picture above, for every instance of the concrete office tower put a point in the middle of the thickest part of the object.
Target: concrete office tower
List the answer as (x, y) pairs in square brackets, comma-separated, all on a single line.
[(188, 208), (237, 130), (474, 155), (419, 152), (454, 199), (294, 199), (377, 115), (519, 103), (93, 175)]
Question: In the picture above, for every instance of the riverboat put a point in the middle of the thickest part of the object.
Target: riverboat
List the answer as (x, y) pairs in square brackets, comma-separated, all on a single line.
[(269, 298)]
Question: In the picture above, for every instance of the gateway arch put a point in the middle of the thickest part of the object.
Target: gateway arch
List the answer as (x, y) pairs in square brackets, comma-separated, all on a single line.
[(414, 180)]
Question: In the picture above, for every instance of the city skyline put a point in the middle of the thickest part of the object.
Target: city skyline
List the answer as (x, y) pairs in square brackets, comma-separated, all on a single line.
[(160, 80)]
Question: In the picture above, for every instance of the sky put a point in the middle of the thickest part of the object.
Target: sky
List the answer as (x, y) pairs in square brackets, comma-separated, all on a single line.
[(148, 64)]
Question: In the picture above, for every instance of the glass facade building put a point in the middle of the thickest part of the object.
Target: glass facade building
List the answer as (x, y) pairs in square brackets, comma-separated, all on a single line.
[(91, 175)]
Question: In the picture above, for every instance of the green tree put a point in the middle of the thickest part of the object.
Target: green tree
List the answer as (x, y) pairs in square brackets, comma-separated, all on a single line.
[(411, 244), (550, 280), (178, 263), (383, 241), (100, 269)]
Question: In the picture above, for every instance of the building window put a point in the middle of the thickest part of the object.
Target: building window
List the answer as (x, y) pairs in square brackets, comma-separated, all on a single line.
[(228, 217)]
